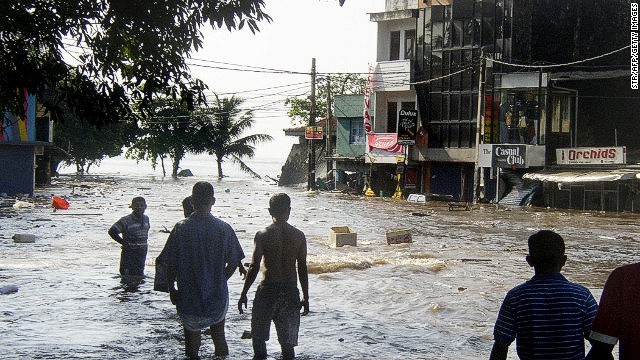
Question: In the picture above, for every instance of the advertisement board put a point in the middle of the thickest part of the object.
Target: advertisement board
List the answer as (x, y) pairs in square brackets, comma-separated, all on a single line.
[(313, 132), (407, 127), (591, 155)]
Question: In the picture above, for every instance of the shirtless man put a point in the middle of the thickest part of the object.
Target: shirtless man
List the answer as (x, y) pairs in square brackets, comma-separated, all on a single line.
[(277, 298)]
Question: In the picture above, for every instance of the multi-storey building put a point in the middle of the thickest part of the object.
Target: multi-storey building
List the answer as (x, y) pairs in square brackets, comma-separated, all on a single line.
[(502, 87)]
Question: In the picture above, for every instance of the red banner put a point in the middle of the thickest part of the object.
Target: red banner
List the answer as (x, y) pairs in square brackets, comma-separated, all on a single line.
[(387, 141), (367, 101)]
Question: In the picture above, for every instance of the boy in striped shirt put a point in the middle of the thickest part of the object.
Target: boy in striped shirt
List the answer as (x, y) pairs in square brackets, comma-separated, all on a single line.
[(548, 316)]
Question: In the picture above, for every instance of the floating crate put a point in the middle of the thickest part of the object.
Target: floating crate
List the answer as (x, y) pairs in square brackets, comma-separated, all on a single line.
[(24, 238), (399, 236), (342, 235)]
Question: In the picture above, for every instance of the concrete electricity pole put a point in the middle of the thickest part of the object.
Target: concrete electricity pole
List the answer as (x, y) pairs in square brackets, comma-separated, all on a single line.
[(311, 180), (479, 127)]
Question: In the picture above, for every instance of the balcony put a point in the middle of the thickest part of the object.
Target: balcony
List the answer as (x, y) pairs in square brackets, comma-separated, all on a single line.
[(393, 76)]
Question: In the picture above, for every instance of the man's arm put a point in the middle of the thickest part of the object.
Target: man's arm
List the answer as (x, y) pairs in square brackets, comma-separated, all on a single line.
[(252, 273), (115, 234), (499, 351), (229, 270), (303, 276), (171, 281)]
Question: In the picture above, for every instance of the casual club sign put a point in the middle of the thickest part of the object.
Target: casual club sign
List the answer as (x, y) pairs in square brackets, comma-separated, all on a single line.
[(407, 127), (591, 155), (509, 156)]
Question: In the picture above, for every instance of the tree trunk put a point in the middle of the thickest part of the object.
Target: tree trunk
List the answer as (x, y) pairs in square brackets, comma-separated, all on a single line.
[(177, 157), (79, 168), (219, 161), (164, 172)]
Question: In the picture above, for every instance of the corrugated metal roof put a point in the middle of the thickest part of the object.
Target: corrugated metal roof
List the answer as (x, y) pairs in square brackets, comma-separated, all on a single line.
[(578, 176)]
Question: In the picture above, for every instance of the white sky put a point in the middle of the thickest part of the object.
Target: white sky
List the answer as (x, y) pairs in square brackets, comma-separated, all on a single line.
[(341, 39)]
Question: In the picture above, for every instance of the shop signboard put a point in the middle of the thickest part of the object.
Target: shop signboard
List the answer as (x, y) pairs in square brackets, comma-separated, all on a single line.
[(591, 156), (509, 156), (407, 127), (313, 132), (383, 148)]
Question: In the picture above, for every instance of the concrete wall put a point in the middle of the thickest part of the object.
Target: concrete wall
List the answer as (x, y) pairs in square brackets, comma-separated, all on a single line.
[(17, 169)]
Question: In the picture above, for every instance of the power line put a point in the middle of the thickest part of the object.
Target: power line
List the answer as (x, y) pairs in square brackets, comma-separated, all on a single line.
[(556, 65)]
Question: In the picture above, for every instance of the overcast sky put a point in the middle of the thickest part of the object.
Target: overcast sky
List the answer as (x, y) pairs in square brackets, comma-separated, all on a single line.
[(341, 39)]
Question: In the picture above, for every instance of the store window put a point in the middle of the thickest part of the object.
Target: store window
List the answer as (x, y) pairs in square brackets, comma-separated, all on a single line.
[(561, 114), (519, 117), (392, 117), (394, 45), (409, 44), (357, 134)]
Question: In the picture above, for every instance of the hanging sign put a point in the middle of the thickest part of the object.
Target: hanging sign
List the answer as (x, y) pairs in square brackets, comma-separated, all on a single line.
[(368, 90), (313, 132), (407, 127)]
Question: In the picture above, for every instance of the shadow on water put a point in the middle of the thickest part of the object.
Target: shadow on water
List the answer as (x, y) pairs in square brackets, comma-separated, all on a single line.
[(129, 288)]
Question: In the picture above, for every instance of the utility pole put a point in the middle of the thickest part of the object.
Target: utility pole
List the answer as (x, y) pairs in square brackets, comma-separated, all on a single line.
[(479, 126), (329, 116), (331, 163), (311, 180)]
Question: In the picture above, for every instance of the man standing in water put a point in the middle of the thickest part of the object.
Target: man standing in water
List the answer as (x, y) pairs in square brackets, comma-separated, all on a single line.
[(277, 298), (135, 232), (187, 209), (548, 316), (201, 254)]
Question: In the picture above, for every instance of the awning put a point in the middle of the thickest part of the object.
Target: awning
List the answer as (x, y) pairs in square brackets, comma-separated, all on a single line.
[(580, 176)]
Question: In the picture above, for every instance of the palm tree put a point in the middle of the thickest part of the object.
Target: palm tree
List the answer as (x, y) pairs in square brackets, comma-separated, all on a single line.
[(222, 133)]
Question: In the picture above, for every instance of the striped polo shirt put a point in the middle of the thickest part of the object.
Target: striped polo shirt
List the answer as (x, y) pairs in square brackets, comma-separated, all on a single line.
[(134, 231), (548, 316)]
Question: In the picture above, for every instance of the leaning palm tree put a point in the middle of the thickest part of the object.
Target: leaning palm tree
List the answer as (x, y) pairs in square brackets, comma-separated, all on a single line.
[(222, 133)]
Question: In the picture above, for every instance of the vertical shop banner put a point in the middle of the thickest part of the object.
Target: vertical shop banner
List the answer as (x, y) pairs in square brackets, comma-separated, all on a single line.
[(488, 120), (407, 127), (367, 101)]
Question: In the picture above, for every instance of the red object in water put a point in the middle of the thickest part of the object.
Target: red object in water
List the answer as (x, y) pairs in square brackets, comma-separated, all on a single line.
[(60, 203)]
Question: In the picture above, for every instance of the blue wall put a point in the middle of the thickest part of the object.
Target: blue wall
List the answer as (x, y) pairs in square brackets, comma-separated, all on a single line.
[(16, 169)]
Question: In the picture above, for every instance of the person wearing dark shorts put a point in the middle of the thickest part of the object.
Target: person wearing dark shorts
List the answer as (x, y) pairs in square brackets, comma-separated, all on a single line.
[(277, 299), (135, 233)]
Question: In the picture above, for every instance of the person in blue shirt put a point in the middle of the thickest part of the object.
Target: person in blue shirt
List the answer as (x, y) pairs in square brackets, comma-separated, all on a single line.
[(548, 316), (201, 254), (135, 233)]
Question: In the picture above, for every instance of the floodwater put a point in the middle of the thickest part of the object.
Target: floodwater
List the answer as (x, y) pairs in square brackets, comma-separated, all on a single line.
[(435, 298)]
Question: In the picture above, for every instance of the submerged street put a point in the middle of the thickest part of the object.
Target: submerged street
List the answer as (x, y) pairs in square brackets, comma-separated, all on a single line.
[(434, 298)]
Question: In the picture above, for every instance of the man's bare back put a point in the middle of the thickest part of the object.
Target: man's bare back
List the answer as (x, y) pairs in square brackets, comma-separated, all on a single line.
[(281, 245), (277, 299)]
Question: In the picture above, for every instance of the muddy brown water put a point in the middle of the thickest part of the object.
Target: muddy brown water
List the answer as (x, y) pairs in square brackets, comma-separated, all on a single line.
[(435, 298)]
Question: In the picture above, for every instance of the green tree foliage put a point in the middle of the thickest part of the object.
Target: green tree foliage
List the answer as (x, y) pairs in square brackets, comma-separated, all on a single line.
[(86, 144), (130, 51), (168, 132), (341, 84), (223, 133)]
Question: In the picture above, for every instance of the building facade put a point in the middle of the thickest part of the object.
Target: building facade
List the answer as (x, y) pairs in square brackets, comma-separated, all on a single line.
[(507, 75), (25, 149)]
